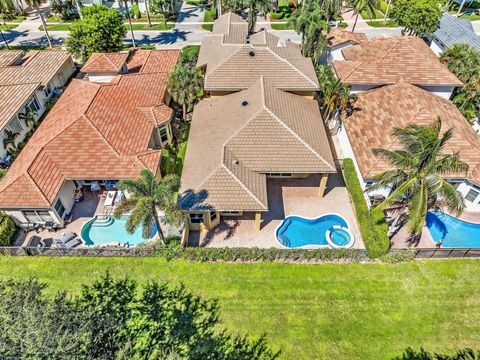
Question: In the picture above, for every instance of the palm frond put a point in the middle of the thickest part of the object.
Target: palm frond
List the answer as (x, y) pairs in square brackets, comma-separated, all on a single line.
[(417, 209), (124, 207), (451, 198)]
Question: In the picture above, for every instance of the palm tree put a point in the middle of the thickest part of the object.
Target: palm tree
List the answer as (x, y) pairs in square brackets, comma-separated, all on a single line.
[(417, 180), (9, 139), (28, 118), (35, 4), (185, 85), (311, 22), (254, 8), (147, 10), (331, 7), (386, 11), (130, 23), (361, 5), (148, 196), (334, 96)]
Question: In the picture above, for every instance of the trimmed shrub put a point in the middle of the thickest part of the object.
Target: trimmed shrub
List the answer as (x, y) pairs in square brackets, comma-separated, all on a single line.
[(372, 224), (398, 256), (342, 25), (135, 10), (209, 15), (189, 54), (257, 254), (277, 16), (7, 230)]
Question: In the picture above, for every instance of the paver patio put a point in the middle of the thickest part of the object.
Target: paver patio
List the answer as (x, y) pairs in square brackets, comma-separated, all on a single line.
[(285, 197)]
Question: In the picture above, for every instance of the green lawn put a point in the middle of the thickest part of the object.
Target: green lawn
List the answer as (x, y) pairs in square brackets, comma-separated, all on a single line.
[(357, 311), (282, 26), (66, 27), (7, 26), (378, 24), (471, 17), (16, 19), (367, 16)]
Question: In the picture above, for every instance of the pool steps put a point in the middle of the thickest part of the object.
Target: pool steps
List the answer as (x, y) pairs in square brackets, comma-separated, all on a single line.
[(103, 221)]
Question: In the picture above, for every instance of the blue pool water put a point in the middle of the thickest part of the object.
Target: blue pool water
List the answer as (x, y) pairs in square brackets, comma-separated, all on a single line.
[(103, 231), (340, 237), (296, 231), (453, 232)]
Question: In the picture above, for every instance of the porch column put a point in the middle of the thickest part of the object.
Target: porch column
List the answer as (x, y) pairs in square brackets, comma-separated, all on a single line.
[(258, 220), (323, 185)]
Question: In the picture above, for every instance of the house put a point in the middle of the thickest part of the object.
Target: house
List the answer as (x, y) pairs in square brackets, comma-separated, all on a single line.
[(27, 82), (234, 61), (451, 31), (339, 39), (239, 141), (103, 67), (381, 110), (386, 61), (96, 131)]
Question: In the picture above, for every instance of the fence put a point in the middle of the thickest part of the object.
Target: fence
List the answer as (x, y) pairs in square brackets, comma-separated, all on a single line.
[(444, 253)]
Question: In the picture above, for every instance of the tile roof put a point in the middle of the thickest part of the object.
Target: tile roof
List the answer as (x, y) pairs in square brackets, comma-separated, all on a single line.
[(232, 27), (37, 67), (230, 66), (105, 62), (389, 60), (94, 131), (237, 138), (19, 80), (153, 61), (456, 31), (380, 110), (12, 98), (338, 36)]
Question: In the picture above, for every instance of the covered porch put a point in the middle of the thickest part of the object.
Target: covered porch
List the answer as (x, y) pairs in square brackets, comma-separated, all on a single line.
[(289, 196)]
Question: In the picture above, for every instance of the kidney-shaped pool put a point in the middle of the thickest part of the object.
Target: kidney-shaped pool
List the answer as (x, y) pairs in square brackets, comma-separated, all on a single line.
[(325, 231)]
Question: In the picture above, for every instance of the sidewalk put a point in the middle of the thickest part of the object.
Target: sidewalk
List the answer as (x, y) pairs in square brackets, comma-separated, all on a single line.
[(349, 18)]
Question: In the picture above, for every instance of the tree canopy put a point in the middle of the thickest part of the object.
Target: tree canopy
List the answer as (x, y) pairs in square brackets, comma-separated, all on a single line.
[(185, 85), (464, 61), (417, 17), (100, 30), (116, 319)]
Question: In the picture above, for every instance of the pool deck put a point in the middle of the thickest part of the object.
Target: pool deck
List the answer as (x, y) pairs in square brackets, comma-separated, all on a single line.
[(401, 239), (285, 197)]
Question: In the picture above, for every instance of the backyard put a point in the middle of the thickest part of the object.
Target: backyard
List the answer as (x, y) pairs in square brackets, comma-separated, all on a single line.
[(355, 311)]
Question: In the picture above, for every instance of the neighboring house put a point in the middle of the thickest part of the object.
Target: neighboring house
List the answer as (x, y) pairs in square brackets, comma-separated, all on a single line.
[(240, 140), (120, 5), (451, 31), (27, 81), (386, 61), (96, 131), (234, 61), (103, 67), (339, 39), (381, 110)]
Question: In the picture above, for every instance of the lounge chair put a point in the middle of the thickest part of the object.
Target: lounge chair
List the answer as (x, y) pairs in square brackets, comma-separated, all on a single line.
[(73, 243), (120, 196), (95, 186), (110, 198), (67, 237)]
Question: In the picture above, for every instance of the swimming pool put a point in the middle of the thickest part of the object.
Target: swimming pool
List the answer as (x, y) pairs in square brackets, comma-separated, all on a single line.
[(106, 230), (325, 231), (454, 232)]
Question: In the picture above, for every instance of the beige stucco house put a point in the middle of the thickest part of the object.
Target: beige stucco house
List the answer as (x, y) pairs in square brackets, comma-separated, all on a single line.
[(96, 131), (233, 60), (240, 140), (27, 82)]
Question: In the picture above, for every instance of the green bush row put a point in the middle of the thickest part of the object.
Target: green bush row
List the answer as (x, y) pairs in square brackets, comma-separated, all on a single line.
[(257, 254), (189, 54), (7, 230), (209, 16), (372, 224)]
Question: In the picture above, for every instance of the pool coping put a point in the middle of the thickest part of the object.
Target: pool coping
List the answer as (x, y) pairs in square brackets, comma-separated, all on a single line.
[(454, 217), (311, 247)]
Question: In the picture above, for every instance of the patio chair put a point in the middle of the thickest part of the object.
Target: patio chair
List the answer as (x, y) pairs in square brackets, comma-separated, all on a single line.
[(95, 186), (68, 236), (73, 243), (119, 197)]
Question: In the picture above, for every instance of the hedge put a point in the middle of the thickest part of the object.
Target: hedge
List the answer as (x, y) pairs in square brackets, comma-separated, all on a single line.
[(209, 15), (257, 254), (7, 230), (372, 224), (277, 16), (189, 54)]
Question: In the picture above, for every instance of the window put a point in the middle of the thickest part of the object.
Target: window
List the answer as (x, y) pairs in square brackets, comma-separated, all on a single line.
[(230, 213), (38, 216), (471, 195), (47, 90), (60, 208), (163, 134), (33, 105), (15, 125), (213, 216), (196, 218)]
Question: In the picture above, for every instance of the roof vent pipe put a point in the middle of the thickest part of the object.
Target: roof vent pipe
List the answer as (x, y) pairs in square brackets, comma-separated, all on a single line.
[(235, 162), (251, 53)]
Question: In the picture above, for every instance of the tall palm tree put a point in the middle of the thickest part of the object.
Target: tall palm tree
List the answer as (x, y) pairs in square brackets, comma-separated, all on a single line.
[(35, 4), (334, 96), (185, 85), (416, 180), (148, 196), (331, 7), (387, 10), (361, 5), (130, 23), (256, 7), (311, 22)]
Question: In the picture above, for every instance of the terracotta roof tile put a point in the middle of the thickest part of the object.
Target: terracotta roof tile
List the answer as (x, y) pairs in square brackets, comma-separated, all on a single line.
[(389, 60), (381, 110), (338, 36), (105, 62), (8, 57)]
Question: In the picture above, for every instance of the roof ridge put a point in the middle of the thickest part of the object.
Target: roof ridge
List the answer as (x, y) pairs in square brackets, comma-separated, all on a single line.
[(291, 65), (106, 55), (245, 187), (100, 133), (240, 46), (149, 53)]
